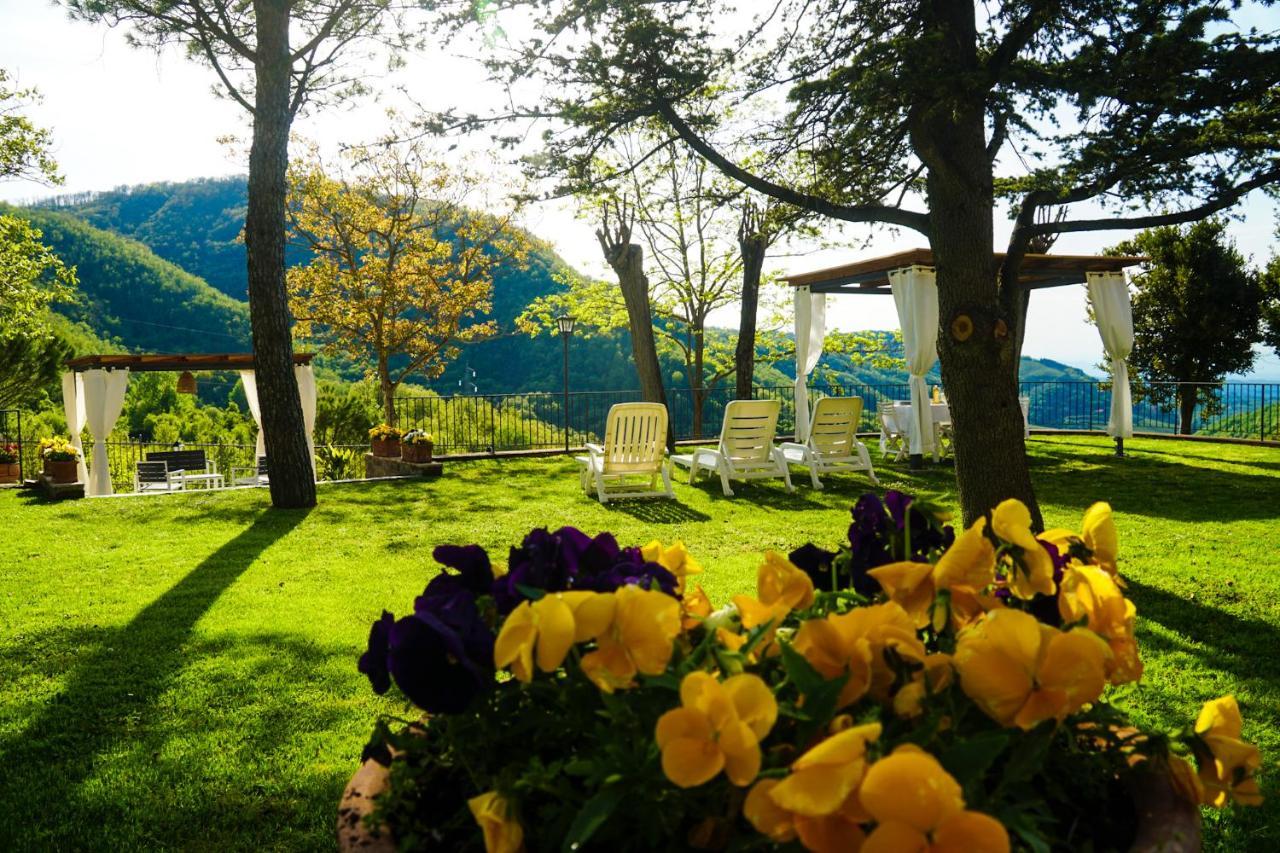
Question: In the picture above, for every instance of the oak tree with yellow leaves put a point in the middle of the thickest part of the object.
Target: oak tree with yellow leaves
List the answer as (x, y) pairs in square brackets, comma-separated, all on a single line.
[(402, 261)]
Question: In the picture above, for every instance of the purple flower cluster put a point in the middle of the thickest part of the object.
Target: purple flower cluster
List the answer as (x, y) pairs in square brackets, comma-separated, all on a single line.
[(878, 535), (441, 655)]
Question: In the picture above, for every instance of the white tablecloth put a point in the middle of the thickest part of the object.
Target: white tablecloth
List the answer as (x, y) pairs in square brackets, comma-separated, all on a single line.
[(942, 414)]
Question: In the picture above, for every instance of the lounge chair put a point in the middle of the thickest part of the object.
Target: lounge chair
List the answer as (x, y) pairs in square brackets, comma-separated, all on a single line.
[(833, 444), (633, 457), (893, 439), (746, 450), (251, 476)]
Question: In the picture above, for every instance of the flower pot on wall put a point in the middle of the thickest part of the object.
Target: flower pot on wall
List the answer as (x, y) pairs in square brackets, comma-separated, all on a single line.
[(61, 472), (357, 801), (9, 472), (419, 453), (386, 447)]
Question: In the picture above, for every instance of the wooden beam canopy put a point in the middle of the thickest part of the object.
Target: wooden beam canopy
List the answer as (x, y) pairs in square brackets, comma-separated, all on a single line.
[(193, 362), (872, 276)]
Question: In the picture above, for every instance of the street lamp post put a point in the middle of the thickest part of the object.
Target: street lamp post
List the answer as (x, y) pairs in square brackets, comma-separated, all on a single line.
[(566, 330)]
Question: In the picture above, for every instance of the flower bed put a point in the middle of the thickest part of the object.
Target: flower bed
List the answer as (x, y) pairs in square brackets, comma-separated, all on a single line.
[(917, 688)]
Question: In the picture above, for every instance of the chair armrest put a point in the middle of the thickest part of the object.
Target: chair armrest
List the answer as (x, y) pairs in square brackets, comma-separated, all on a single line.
[(594, 449), (793, 445)]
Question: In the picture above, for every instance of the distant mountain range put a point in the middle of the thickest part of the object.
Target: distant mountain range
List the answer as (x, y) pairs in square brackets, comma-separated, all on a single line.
[(162, 269)]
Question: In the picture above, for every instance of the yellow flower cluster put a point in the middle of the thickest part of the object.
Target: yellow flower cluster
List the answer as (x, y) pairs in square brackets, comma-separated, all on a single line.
[(832, 793)]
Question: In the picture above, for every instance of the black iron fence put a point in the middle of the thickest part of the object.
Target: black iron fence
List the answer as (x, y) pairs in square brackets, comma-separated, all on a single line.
[(494, 423)]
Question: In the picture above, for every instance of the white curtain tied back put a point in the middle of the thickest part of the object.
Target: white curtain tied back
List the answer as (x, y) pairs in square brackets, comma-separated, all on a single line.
[(73, 407), (307, 394), (1109, 294), (915, 294), (811, 329), (103, 401), (250, 383)]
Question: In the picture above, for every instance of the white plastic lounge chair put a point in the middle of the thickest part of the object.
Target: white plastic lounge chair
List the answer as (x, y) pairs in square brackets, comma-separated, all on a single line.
[(746, 450), (833, 444), (893, 439), (633, 457)]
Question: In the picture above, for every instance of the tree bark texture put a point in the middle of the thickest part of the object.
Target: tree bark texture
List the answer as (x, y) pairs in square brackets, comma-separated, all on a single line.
[(628, 262), (1186, 407), (978, 331), (753, 247), (292, 477)]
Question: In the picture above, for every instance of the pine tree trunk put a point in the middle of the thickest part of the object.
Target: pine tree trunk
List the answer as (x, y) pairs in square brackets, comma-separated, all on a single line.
[(292, 476), (753, 251), (698, 393), (1186, 408), (388, 391), (977, 334), (629, 266)]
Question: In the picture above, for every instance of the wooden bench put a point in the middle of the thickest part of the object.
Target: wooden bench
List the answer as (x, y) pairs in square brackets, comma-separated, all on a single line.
[(188, 467), (152, 476)]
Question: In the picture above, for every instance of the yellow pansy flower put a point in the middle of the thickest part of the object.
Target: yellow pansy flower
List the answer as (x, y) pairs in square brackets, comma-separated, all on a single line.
[(936, 675), (1185, 780), (910, 585), (838, 832), (674, 559), (695, 607), (1011, 521), (638, 638), (853, 644), (1100, 536), (1088, 592), (778, 581), (540, 631), (918, 806), (1227, 772), (823, 778), (970, 562), (502, 833), (1022, 672), (718, 726)]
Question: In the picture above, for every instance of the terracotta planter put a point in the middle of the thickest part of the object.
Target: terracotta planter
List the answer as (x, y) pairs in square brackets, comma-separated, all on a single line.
[(357, 801), (1167, 823), (389, 448), (61, 472), (418, 453), (9, 472)]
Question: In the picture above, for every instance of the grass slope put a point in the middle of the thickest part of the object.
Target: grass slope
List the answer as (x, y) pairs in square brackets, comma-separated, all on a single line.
[(179, 671)]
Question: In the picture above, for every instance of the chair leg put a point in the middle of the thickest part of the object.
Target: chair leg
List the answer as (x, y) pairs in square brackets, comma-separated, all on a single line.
[(666, 479), (813, 474), (604, 499), (865, 457), (786, 470), (693, 470), (724, 479)]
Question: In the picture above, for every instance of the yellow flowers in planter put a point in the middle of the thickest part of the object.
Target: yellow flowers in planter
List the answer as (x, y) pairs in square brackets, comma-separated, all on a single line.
[(909, 692)]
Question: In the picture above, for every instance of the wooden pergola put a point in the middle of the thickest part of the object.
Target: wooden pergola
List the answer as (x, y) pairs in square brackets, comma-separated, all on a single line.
[(94, 386), (871, 277), (169, 363), (909, 277)]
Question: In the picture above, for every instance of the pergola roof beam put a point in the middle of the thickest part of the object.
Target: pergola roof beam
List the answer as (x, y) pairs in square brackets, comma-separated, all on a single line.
[(191, 361)]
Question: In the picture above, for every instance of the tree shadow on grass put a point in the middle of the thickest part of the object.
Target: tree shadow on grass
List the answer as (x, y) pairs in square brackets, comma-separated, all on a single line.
[(119, 682), (1231, 643)]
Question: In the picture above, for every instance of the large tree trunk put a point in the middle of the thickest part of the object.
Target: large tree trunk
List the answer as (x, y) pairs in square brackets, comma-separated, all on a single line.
[(753, 247), (292, 476), (388, 390), (1186, 407), (698, 393), (976, 340), (628, 263)]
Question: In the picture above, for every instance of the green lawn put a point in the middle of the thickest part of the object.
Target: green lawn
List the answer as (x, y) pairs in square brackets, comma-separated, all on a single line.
[(179, 671)]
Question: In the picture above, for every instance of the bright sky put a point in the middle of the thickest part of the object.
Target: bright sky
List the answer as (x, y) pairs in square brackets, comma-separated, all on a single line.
[(124, 116)]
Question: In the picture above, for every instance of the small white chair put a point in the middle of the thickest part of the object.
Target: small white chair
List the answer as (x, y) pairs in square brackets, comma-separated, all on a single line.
[(893, 438), (251, 476), (833, 444), (153, 476), (746, 450), (633, 456)]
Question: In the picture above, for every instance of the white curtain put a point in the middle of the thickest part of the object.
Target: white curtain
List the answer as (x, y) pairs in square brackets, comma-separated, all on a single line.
[(915, 293), (1109, 294), (250, 383), (811, 329), (103, 401), (307, 393), (73, 406)]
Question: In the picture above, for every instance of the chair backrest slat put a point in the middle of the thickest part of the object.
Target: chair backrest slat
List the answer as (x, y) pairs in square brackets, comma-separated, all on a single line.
[(635, 437), (153, 472), (835, 421), (749, 428), (180, 460)]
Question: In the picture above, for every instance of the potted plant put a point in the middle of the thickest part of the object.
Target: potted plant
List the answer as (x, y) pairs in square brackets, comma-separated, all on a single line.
[(9, 471), (914, 689), (385, 440), (416, 446), (60, 459)]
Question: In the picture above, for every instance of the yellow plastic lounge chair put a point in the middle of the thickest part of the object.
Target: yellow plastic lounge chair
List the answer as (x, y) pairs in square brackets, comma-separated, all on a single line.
[(833, 444), (892, 438), (633, 456), (746, 450)]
